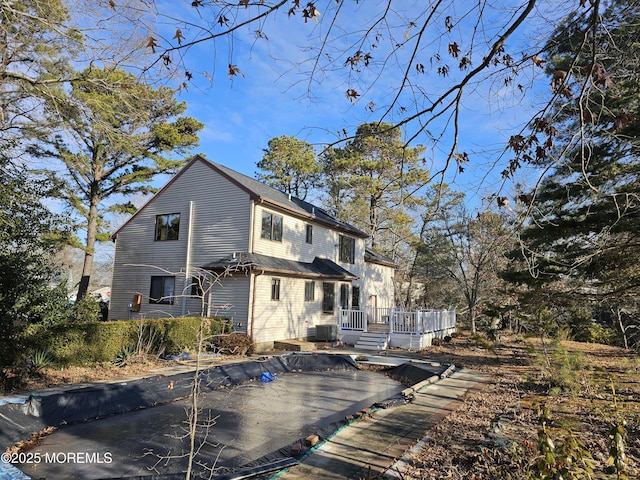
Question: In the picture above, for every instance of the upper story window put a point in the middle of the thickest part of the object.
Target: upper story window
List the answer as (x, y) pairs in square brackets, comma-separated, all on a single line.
[(309, 233), (167, 226), (271, 226), (347, 249)]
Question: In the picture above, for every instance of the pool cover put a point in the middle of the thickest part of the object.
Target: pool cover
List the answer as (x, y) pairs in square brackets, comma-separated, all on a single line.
[(82, 405), (32, 414)]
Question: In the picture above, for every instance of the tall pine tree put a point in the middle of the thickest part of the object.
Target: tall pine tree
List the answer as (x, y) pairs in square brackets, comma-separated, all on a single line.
[(583, 234), (115, 134)]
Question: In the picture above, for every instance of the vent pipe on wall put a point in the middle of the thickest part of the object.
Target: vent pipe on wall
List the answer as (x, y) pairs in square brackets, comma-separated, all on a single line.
[(187, 266)]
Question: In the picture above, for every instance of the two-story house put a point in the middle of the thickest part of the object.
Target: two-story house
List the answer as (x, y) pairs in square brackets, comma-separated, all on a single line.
[(283, 265)]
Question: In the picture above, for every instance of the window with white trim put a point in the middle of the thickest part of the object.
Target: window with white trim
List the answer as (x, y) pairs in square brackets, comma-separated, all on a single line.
[(271, 227), (309, 237), (309, 291), (347, 249), (275, 289), (328, 297)]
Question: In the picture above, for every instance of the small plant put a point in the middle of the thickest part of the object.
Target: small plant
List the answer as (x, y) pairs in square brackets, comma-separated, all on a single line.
[(563, 370), (149, 341), (482, 342), (125, 356), (617, 458), (560, 458), (38, 361)]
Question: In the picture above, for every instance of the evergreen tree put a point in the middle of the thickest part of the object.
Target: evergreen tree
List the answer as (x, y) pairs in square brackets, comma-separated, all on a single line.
[(585, 220), (373, 183), (115, 135), (583, 234), (290, 165), (29, 237), (35, 47)]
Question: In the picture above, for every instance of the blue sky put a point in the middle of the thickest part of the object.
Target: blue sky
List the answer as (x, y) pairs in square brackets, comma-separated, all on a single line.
[(273, 96)]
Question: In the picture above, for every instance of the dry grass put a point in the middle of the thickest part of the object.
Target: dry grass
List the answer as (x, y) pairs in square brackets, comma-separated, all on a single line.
[(494, 434)]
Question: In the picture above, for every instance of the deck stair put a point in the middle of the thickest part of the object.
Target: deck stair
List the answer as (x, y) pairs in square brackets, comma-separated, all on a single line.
[(415, 343), (375, 338)]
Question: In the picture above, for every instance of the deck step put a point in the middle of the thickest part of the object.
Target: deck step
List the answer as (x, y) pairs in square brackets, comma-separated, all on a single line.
[(373, 341), (378, 328)]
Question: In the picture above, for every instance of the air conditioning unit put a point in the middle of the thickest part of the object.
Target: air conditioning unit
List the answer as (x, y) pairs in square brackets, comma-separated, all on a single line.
[(326, 333)]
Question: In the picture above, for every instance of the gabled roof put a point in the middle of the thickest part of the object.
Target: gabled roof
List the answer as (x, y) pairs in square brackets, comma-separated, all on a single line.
[(372, 256), (319, 268), (265, 195)]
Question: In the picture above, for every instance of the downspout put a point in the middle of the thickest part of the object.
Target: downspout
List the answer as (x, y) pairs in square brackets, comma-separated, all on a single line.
[(252, 220), (187, 266), (255, 275), (253, 302)]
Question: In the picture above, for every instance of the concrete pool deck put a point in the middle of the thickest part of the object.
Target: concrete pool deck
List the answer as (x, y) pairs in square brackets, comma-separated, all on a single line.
[(375, 445)]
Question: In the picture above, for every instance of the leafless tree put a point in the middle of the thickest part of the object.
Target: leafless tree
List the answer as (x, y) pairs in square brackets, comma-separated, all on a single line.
[(421, 66), (199, 285)]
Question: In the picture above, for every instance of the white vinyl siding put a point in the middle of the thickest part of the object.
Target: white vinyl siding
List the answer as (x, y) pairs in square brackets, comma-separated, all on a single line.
[(226, 220), (291, 317), (231, 300), (379, 282), (220, 227), (294, 245)]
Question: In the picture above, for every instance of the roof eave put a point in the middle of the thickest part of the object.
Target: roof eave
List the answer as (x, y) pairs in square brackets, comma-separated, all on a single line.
[(304, 215), (289, 273)]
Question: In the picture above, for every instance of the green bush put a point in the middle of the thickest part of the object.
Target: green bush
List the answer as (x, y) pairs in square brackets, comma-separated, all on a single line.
[(81, 343), (87, 309), (596, 333)]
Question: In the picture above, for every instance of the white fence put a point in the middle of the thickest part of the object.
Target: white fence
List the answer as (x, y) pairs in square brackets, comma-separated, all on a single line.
[(416, 322)]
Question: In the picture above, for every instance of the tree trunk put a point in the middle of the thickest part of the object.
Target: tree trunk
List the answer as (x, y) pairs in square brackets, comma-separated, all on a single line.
[(618, 314), (472, 319), (92, 229), (373, 220)]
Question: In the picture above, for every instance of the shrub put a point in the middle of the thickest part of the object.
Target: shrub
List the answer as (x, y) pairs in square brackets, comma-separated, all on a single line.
[(233, 344), (483, 343), (561, 456), (87, 309), (81, 343), (596, 333)]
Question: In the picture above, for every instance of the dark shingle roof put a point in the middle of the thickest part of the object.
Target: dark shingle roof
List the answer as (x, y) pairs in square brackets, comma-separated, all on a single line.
[(280, 199), (266, 195), (372, 256), (320, 267)]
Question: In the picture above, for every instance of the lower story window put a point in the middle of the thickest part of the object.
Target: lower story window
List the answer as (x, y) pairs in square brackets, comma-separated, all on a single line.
[(275, 289), (309, 291), (328, 297), (344, 296), (162, 290)]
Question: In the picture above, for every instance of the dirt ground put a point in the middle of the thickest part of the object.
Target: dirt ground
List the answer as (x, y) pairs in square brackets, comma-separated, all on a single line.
[(495, 431)]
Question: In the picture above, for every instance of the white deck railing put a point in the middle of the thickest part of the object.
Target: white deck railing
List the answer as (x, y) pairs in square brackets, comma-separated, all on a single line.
[(416, 322)]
